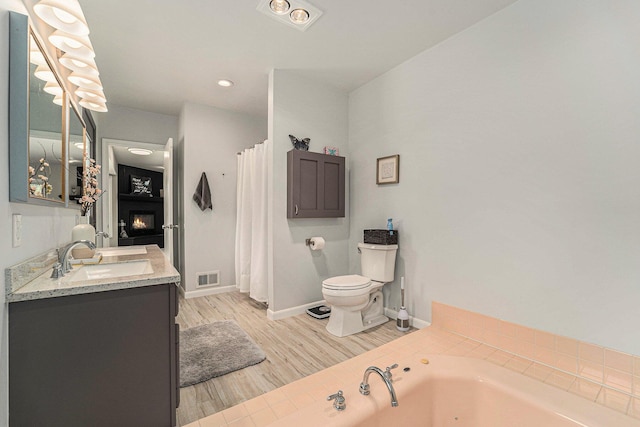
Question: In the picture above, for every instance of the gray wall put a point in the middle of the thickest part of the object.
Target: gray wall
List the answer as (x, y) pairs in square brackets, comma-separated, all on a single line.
[(304, 108), (209, 142), (518, 194)]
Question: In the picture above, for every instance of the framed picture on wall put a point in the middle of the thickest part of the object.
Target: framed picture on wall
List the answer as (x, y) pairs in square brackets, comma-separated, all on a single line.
[(141, 185), (388, 170)]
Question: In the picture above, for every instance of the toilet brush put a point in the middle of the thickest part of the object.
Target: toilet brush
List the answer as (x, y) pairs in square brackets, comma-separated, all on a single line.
[(402, 322)]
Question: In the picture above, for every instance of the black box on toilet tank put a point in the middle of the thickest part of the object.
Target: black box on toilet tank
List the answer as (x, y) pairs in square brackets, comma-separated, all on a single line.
[(381, 237)]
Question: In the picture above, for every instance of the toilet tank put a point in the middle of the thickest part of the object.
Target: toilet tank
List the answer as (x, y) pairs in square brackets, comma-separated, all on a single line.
[(378, 262)]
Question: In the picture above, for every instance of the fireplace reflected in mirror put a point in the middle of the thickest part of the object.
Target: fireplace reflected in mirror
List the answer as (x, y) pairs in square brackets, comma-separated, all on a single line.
[(141, 223)]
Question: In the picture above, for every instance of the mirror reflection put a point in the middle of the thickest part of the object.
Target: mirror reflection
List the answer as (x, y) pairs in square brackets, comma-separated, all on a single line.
[(76, 155), (45, 129)]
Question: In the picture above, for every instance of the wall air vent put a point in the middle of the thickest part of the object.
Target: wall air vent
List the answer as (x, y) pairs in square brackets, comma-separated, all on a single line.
[(208, 279)]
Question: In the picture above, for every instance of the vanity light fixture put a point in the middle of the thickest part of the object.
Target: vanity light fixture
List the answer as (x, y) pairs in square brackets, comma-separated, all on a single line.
[(63, 15), (44, 74), (53, 88), (91, 95), (225, 83), (302, 13), (98, 106), (139, 151), (79, 45), (58, 100), (71, 36), (81, 79)]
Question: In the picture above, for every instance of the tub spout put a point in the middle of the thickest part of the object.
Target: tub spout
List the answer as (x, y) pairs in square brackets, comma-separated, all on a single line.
[(364, 385)]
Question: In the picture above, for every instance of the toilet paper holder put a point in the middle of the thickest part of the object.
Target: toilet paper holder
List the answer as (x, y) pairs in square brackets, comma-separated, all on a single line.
[(307, 242)]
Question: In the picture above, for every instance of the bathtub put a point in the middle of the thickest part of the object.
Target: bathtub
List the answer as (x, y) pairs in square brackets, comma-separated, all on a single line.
[(459, 392)]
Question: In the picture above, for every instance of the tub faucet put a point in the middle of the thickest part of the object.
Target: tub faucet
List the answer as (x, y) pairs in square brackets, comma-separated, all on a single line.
[(63, 265), (386, 377)]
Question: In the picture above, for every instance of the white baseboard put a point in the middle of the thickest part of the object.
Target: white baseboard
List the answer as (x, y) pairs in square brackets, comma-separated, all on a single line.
[(207, 291), (293, 311), (413, 321)]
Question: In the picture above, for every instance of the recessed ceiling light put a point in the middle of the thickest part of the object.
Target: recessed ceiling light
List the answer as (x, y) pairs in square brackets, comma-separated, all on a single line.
[(225, 83), (139, 151), (299, 16), (279, 6)]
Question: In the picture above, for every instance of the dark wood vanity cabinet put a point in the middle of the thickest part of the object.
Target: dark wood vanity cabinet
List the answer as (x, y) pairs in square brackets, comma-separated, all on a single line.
[(99, 359), (315, 185)]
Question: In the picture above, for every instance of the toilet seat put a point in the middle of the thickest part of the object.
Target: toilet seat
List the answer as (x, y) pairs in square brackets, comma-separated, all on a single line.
[(351, 282)]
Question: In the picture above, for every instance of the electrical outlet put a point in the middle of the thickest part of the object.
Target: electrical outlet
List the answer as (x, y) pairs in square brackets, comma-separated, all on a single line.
[(17, 230)]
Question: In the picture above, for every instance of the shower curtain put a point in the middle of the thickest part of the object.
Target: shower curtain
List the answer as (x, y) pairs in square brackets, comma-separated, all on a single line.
[(251, 221)]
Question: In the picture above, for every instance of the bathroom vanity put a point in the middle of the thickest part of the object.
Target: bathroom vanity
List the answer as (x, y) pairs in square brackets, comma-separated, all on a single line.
[(98, 351)]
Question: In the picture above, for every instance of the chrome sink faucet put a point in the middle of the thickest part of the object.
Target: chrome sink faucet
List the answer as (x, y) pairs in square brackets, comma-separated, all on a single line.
[(63, 265), (386, 377)]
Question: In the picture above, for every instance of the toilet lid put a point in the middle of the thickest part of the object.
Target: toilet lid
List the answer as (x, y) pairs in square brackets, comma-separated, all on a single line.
[(350, 282)]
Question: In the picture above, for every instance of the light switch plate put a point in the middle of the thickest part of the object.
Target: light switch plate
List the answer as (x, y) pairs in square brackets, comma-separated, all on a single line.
[(17, 230)]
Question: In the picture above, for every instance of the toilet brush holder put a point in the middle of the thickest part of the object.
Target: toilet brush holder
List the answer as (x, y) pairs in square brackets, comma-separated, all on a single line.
[(402, 321)]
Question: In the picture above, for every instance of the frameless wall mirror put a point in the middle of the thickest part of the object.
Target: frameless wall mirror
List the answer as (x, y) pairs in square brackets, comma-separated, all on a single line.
[(37, 150), (77, 156)]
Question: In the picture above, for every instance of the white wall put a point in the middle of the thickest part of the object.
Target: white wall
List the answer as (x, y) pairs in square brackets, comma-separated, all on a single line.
[(43, 228), (306, 109), (518, 194), (209, 142)]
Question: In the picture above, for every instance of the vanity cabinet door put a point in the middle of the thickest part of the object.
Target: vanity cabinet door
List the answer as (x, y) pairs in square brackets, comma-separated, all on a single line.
[(100, 359), (315, 185)]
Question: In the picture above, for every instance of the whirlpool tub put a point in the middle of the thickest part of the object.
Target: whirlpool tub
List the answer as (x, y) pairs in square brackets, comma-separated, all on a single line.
[(460, 392)]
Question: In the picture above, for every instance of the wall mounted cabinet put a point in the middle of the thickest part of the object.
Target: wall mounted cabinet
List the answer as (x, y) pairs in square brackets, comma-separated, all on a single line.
[(315, 185)]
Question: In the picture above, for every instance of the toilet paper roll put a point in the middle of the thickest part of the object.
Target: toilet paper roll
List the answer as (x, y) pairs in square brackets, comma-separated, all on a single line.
[(316, 244)]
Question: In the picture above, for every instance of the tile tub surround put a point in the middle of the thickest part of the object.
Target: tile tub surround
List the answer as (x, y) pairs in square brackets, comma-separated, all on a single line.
[(439, 339), (42, 286)]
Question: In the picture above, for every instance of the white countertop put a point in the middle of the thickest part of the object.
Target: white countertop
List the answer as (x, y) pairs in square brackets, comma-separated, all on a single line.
[(45, 287)]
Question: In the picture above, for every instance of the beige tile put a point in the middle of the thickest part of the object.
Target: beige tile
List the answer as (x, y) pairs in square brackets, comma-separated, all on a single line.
[(302, 400), (526, 349), (242, 422), (636, 386), (546, 340), (567, 346), (256, 404), (560, 380), (508, 329), (618, 360), (235, 412), (499, 357), (283, 409), (567, 363), (276, 396), (215, 420), (636, 366), (585, 389), (518, 364), (614, 400), (508, 343), (591, 371), (193, 424), (264, 417), (482, 352), (545, 355), (619, 380), (590, 352), (491, 324), (634, 408), (525, 334), (539, 372)]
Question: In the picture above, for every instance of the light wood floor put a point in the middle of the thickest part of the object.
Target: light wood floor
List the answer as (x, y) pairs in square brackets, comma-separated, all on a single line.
[(295, 347)]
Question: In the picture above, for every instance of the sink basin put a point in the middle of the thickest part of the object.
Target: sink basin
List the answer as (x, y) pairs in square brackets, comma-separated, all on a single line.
[(123, 250), (111, 271)]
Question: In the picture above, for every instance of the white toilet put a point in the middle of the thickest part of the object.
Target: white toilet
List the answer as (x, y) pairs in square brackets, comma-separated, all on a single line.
[(356, 301)]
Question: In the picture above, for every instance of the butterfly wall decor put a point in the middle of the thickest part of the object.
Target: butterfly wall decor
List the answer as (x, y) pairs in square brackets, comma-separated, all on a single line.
[(300, 144)]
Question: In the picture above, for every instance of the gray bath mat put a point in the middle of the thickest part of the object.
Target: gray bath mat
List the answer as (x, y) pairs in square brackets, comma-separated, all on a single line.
[(216, 349)]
